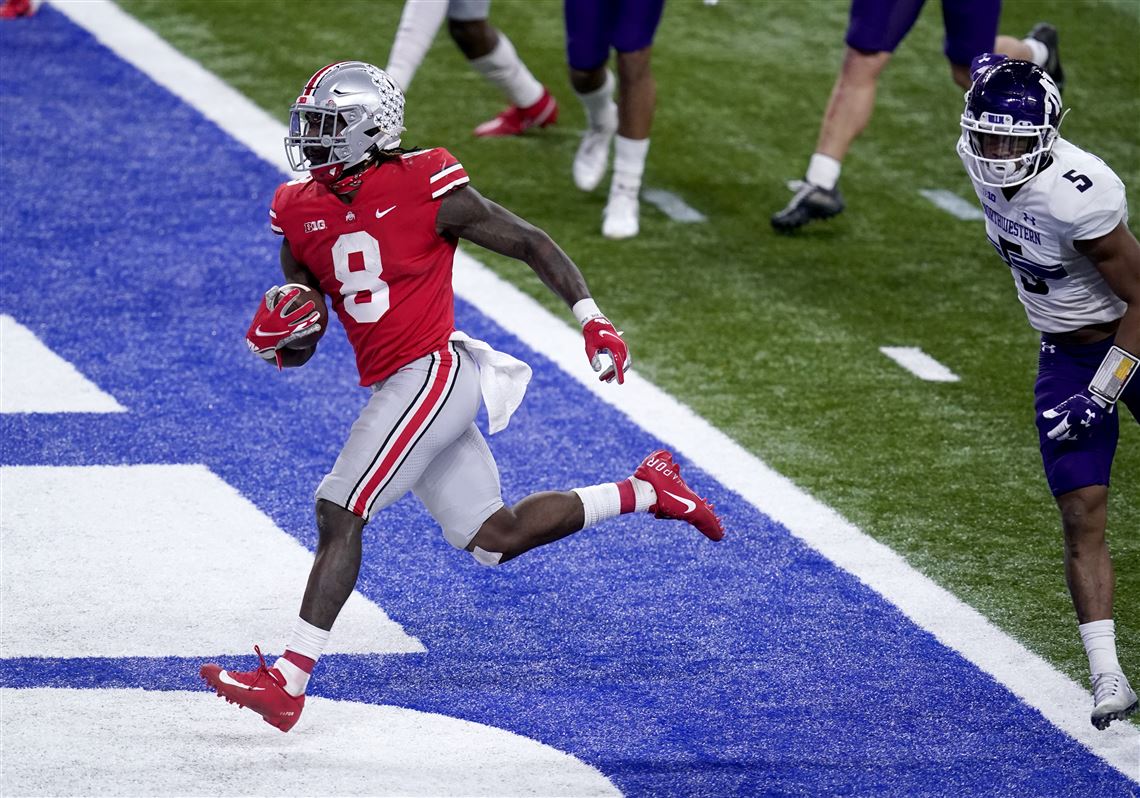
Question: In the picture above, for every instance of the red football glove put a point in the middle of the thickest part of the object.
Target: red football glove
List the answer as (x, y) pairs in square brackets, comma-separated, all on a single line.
[(271, 328), (603, 339)]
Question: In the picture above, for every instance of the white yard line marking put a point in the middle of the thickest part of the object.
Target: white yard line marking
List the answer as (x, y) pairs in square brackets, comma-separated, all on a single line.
[(672, 206), (958, 626), (919, 363), (953, 204), (34, 379)]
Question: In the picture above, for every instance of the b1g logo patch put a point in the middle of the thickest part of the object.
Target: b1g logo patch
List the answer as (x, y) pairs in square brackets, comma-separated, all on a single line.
[(312, 227)]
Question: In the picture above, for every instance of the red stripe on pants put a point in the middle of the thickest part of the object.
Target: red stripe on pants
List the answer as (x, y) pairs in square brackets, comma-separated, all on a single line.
[(410, 433)]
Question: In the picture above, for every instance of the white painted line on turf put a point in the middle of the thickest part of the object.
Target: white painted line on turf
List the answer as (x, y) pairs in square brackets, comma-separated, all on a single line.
[(919, 363), (952, 204), (672, 206), (76, 742), (34, 379), (958, 626), (154, 561)]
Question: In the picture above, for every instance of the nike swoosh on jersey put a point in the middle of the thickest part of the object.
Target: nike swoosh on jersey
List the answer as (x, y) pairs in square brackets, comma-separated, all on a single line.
[(381, 214), (690, 505), (227, 679)]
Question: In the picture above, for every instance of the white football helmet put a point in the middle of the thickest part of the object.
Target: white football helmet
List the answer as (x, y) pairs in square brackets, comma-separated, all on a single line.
[(345, 110)]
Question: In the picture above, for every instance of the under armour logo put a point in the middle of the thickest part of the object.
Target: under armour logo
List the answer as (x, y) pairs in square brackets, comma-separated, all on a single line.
[(1050, 348), (1090, 417), (1029, 220)]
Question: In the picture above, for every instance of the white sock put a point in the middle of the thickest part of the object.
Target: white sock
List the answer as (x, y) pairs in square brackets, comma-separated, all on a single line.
[(1099, 638), (629, 164), (503, 67), (296, 679), (601, 110), (418, 25), (308, 641), (823, 171), (1039, 52), (612, 499)]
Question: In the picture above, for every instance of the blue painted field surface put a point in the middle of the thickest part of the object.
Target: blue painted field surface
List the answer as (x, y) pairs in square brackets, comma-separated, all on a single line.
[(135, 244)]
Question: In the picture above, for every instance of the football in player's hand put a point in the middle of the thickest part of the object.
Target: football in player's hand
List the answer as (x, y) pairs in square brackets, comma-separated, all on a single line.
[(307, 294)]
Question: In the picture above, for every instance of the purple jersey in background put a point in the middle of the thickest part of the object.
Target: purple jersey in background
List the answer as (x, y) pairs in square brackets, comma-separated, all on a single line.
[(879, 26), (594, 26)]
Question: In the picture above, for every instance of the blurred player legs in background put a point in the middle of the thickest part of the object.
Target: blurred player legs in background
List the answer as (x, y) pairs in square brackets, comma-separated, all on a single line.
[(488, 51), (593, 27), (875, 29)]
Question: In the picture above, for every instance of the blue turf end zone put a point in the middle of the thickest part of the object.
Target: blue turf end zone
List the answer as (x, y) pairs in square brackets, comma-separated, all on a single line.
[(135, 245)]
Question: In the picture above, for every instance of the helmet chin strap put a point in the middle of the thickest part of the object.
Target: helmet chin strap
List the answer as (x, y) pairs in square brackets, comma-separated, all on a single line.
[(343, 181)]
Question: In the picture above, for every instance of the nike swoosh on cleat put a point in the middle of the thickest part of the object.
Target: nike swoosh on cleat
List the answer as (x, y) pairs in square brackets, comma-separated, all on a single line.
[(381, 214), (690, 505), (225, 678)]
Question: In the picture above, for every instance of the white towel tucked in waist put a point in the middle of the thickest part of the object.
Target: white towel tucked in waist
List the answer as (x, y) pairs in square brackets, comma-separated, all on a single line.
[(502, 379)]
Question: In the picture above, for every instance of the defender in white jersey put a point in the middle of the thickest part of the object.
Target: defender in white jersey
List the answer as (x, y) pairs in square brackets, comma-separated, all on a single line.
[(1058, 216)]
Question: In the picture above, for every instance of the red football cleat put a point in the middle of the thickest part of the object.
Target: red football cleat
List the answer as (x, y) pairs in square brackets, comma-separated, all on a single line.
[(675, 499), (262, 690), (515, 120), (10, 9)]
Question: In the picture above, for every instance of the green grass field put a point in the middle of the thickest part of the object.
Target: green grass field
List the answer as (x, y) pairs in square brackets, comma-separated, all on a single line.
[(775, 339)]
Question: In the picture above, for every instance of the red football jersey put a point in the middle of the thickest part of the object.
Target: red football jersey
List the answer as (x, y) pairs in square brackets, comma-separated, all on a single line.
[(379, 258)]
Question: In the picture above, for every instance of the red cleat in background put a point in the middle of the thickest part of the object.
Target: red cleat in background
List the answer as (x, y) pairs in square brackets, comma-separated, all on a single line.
[(515, 120), (10, 9)]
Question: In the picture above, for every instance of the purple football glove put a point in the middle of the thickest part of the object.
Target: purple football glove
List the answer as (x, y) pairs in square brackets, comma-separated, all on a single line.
[(1077, 416)]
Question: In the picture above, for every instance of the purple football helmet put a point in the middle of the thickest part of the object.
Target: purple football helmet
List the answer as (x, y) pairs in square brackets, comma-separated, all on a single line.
[(1012, 114)]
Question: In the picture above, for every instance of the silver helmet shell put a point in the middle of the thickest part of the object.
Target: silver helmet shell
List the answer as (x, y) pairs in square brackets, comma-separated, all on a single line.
[(345, 110)]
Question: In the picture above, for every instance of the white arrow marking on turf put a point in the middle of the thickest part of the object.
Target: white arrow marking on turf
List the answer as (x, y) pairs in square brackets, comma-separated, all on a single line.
[(104, 742), (155, 560), (34, 379)]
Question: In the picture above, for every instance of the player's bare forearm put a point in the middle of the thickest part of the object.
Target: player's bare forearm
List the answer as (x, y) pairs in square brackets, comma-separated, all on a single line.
[(294, 270), (469, 215), (1117, 257)]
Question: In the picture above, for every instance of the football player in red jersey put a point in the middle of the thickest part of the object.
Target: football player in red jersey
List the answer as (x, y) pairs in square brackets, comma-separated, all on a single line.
[(375, 229)]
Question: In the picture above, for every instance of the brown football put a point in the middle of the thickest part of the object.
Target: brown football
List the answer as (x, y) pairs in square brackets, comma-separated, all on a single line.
[(308, 294)]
